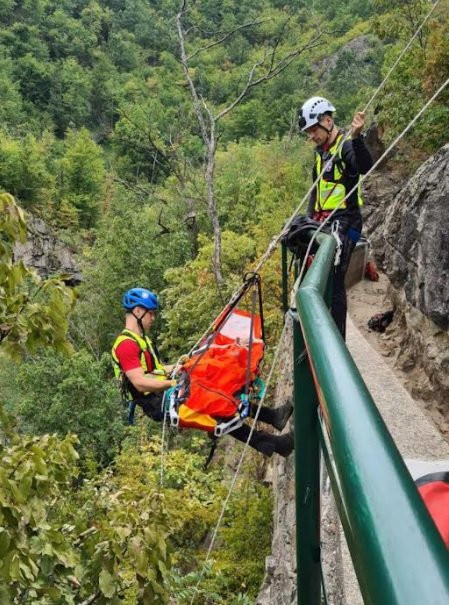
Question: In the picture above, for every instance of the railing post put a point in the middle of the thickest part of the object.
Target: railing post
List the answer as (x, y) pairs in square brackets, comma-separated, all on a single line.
[(307, 476), (284, 280)]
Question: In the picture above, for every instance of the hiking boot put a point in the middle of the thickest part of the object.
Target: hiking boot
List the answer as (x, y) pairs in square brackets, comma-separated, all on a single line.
[(281, 415), (284, 444)]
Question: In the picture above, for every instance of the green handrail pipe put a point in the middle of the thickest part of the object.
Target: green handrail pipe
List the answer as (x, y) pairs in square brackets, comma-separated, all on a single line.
[(398, 555)]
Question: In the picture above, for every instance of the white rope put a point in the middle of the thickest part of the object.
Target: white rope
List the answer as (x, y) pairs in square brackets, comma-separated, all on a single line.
[(239, 465), (373, 167), (275, 240), (161, 478), (273, 245)]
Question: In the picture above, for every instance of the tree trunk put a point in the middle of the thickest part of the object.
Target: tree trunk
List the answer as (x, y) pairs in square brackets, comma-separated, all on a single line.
[(211, 204)]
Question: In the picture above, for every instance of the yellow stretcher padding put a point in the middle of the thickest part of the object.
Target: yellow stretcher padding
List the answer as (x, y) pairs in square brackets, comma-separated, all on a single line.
[(190, 416)]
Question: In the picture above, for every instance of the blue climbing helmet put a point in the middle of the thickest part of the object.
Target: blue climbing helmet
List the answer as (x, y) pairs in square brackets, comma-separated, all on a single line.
[(140, 297)]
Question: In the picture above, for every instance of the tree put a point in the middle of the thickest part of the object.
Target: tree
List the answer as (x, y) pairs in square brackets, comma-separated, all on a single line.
[(82, 176), (33, 311), (62, 394), (263, 69)]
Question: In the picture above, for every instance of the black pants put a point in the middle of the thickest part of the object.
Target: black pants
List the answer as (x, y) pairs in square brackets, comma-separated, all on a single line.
[(260, 440), (339, 304), (151, 405), (349, 229)]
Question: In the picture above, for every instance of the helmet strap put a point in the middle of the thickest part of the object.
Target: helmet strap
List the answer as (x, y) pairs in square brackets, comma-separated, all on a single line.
[(328, 130), (139, 321)]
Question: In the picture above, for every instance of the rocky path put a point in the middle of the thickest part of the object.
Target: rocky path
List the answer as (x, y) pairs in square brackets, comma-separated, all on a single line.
[(421, 444)]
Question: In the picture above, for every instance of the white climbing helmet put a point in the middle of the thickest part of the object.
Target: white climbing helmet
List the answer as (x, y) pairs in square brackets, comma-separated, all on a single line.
[(312, 111)]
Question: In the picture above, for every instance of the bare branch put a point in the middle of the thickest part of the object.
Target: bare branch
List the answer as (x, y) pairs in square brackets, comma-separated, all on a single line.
[(164, 230), (91, 599), (185, 65), (139, 189), (271, 72), (226, 36), (148, 134)]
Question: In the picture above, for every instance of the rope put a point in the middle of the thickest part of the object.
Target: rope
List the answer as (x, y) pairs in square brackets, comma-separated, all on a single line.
[(164, 420), (275, 240), (272, 247), (239, 465), (363, 177)]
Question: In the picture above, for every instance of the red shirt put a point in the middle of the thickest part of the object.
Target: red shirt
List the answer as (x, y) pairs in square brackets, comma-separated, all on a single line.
[(128, 354)]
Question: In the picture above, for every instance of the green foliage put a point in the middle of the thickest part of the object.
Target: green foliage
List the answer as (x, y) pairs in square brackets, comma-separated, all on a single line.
[(192, 300), (63, 544), (246, 538), (33, 311), (60, 394), (129, 251), (422, 70), (82, 176), (24, 169), (34, 473)]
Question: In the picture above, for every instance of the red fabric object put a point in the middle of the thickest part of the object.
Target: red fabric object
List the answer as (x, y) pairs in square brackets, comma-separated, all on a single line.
[(309, 260), (371, 271), (220, 374), (434, 490), (128, 354), (322, 215)]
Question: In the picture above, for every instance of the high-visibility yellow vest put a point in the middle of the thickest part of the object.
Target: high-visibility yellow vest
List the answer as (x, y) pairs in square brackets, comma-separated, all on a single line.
[(330, 194), (158, 372)]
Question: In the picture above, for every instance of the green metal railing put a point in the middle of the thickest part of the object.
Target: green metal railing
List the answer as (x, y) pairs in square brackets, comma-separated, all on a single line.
[(398, 555)]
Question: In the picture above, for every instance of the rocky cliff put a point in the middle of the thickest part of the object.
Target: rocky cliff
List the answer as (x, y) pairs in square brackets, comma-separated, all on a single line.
[(406, 224), (405, 221), (46, 254), (279, 587)]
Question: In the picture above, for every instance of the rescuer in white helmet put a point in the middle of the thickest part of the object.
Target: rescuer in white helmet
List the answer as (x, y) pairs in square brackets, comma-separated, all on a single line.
[(342, 170)]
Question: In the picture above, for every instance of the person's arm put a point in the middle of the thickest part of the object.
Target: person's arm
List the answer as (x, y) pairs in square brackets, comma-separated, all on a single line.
[(356, 157), (355, 154), (128, 354), (144, 383)]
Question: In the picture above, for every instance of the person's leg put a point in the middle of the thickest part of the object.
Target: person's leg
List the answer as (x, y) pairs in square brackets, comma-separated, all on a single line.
[(152, 405), (276, 417), (339, 300), (265, 442)]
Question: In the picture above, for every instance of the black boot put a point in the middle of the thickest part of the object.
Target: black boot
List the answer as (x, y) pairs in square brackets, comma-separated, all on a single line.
[(284, 444), (281, 416), (277, 417)]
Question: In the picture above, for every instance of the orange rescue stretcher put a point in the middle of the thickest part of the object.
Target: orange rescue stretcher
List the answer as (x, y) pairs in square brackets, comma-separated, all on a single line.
[(221, 378)]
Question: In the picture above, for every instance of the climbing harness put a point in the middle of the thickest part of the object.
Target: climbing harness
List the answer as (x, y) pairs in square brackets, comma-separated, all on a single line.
[(335, 232)]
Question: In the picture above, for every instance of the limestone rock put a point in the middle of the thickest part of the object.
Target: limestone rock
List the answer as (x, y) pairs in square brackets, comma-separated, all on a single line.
[(45, 253), (406, 225), (409, 234)]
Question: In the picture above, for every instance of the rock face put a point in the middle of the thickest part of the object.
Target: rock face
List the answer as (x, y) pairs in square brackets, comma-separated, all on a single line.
[(406, 224), (44, 253), (279, 587), (360, 46)]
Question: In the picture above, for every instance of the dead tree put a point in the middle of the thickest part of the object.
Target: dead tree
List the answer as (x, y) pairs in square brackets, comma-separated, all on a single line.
[(266, 68)]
